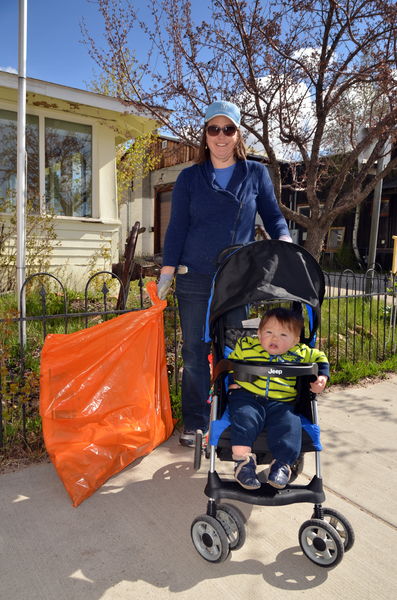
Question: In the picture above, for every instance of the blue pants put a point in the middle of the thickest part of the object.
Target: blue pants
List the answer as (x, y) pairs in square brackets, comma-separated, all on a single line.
[(251, 414), (193, 291)]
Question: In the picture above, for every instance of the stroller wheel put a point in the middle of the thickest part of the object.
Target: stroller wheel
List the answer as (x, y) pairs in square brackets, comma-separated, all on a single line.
[(342, 526), (232, 521), (321, 543), (210, 539), (198, 449)]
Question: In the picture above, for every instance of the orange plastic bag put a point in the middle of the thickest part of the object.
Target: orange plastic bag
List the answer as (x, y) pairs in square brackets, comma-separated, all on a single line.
[(104, 398)]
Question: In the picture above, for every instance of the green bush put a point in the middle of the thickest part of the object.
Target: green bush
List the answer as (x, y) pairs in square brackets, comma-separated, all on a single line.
[(40, 242)]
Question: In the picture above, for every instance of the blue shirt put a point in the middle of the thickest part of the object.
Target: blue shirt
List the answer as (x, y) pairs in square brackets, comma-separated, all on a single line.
[(205, 218), (223, 176)]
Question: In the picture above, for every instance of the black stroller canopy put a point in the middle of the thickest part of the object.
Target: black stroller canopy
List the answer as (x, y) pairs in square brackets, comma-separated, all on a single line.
[(267, 270)]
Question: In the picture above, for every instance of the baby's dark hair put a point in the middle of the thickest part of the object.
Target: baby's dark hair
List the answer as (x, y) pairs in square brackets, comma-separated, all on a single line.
[(290, 318)]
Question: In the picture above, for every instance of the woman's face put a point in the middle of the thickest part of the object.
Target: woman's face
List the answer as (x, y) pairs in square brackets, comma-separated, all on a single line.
[(221, 147)]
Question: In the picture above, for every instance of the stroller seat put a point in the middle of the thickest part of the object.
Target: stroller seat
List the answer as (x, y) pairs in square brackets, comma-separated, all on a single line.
[(310, 431), (219, 434)]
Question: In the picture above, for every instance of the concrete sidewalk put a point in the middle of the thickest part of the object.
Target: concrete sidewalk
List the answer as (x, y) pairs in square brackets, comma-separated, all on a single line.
[(131, 539)]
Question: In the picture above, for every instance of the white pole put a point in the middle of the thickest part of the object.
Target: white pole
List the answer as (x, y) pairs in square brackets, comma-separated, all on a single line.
[(383, 160), (376, 202), (21, 166)]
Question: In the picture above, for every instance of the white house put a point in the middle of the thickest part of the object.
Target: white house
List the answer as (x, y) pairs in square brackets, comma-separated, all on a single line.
[(71, 141)]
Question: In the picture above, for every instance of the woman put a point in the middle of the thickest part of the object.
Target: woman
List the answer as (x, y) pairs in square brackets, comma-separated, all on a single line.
[(214, 204)]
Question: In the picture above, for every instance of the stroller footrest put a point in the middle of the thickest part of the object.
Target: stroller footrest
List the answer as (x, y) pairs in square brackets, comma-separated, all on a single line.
[(266, 495)]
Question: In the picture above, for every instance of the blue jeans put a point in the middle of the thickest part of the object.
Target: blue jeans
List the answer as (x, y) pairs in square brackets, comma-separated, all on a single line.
[(192, 291), (250, 414)]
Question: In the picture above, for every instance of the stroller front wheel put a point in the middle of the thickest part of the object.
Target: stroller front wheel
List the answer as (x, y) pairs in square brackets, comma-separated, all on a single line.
[(210, 539), (321, 543)]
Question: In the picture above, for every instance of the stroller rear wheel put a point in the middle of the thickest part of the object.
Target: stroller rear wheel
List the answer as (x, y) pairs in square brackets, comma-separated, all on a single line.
[(232, 521), (210, 539), (342, 526), (198, 450), (321, 543)]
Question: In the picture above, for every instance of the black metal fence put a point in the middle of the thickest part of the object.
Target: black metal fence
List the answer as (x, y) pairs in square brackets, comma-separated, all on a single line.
[(358, 316), (358, 322)]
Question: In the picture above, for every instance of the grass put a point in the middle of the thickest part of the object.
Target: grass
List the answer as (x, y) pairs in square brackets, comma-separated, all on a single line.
[(356, 329), (349, 373)]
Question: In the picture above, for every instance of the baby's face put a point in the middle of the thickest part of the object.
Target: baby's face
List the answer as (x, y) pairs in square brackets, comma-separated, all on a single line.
[(277, 338)]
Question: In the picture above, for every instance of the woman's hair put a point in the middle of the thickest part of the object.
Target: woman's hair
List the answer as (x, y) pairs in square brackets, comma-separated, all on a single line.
[(286, 317), (240, 152)]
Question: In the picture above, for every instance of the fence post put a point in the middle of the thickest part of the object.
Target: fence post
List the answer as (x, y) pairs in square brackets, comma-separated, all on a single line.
[(394, 262)]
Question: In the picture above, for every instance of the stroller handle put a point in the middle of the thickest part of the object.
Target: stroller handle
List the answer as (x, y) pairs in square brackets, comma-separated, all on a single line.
[(247, 370)]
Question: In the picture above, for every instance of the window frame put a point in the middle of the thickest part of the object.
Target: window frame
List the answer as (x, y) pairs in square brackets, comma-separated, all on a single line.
[(307, 206), (59, 115)]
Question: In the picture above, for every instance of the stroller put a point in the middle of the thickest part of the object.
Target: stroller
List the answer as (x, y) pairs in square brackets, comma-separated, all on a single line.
[(249, 279)]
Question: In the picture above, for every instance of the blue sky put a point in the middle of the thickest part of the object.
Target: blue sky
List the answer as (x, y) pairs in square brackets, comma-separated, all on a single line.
[(55, 51)]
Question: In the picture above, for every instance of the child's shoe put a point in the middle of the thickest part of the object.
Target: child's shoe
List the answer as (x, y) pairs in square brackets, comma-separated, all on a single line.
[(279, 474), (245, 472)]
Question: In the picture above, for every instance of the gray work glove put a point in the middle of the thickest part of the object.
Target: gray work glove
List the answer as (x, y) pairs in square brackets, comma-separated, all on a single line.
[(164, 284)]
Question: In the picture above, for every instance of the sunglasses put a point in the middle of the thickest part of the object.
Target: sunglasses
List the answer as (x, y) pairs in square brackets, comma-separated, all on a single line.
[(228, 130)]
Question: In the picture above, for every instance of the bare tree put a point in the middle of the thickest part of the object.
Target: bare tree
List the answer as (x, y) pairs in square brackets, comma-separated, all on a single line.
[(310, 77)]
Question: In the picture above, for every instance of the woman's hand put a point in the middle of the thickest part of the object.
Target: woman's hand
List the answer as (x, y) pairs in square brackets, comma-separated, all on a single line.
[(165, 282)]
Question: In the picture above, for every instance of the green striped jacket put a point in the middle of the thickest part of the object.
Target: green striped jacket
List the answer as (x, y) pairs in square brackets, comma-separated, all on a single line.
[(277, 388)]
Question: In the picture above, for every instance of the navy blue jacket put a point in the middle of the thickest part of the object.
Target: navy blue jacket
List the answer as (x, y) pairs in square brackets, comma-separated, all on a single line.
[(205, 218)]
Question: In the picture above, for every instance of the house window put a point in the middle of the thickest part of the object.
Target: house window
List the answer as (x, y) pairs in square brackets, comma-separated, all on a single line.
[(8, 161), (68, 165), (304, 209), (68, 168), (335, 238)]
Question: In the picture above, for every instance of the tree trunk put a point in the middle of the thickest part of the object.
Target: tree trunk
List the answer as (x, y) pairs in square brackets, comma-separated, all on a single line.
[(355, 233), (315, 241)]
